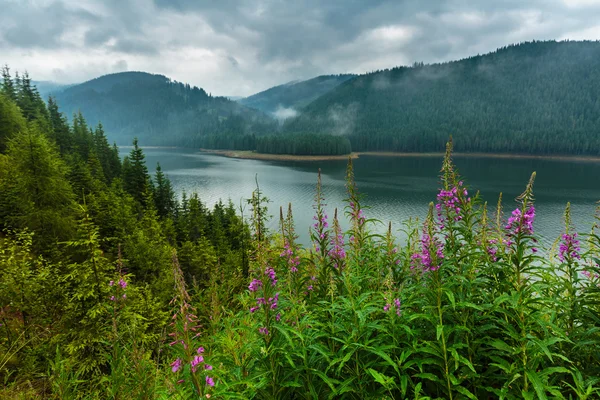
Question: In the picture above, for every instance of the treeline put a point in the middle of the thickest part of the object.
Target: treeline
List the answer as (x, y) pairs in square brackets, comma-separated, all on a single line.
[(300, 144), (84, 235), (536, 98), (303, 144)]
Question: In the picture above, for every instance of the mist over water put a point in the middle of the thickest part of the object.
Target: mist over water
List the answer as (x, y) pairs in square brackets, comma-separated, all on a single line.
[(396, 188)]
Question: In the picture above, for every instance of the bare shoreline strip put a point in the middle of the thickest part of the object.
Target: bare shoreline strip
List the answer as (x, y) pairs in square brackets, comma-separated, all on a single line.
[(289, 157), (276, 157)]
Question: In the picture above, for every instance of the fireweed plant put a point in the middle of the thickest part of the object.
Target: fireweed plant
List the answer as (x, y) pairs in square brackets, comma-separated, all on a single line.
[(470, 305), (465, 307)]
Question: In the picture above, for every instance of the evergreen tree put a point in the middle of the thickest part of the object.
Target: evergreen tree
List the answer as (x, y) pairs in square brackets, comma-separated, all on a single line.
[(135, 174), (11, 121), (8, 86), (61, 133), (35, 192), (164, 197)]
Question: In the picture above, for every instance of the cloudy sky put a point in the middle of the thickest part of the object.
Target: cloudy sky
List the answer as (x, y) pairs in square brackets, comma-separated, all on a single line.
[(234, 47)]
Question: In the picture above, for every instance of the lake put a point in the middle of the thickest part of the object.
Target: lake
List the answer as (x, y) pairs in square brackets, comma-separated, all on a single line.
[(396, 188)]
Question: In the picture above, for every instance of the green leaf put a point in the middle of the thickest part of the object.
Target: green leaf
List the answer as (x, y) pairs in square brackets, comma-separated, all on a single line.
[(383, 380), (537, 383)]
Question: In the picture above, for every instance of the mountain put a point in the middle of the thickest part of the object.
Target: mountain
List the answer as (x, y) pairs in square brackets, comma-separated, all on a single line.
[(47, 88), (285, 100), (159, 111), (534, 97)]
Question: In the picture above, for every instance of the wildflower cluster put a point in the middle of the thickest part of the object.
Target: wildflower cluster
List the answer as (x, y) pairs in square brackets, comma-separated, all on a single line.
[(521, 223), (450, 200), (396, 305), (337, 252), (569, 247), (432, 249), (267, 301), (119, 289), (185, 330), (292, 260), (492, 249)]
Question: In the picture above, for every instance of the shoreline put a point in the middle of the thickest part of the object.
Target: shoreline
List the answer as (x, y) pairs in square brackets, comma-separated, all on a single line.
[(483, 155), (251, 155)]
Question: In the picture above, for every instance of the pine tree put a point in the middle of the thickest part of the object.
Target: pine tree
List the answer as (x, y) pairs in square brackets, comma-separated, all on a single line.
[(8, 86), (34, 191), (164, 197), (61, 133), (11, 121), (135, 174)]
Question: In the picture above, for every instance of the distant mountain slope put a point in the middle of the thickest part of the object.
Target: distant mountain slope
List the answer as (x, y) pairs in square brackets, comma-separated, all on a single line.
[(537, 97), (46, 88), (285, 100), (159, 111)]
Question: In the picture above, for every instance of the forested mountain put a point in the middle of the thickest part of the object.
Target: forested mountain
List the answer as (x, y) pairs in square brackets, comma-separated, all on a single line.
[(159, 111), (284, 100), (537, 97), (47, 88)]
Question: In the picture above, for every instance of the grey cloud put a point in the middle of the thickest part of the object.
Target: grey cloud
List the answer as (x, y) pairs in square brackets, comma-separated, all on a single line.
[(241, 47), (135, 46)]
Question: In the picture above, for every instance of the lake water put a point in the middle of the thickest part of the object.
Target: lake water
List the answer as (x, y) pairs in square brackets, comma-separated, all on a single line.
[(396, 188)]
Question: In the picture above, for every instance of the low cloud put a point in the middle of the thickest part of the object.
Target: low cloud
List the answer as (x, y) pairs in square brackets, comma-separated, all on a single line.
[(282, 113)]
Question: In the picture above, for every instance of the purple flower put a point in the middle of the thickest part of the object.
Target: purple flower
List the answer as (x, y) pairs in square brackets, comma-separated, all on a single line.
[(519, 223), (200, 350), (431, 255), (208, 367), (569, 247), (386, 308), (278, 317), (122, 283), (175, 365), (111, 283), (197, 360), (255, 285), (264, 331), (209, 381)]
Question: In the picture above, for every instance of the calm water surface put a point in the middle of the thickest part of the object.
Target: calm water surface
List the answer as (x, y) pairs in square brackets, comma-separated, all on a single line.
[(396, 188)]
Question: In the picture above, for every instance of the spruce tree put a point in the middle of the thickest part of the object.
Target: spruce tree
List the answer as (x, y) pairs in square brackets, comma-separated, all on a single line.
[(164, 197), (8, 86), (135, 174)]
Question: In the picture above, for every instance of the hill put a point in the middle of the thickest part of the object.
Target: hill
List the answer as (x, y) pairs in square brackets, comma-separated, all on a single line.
[(159, 111), (285, 100), (535, 97), (47, 88)]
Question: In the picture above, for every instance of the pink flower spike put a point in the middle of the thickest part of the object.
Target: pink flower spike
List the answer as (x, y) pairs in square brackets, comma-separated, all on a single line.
[(208, 367), (209, 381), (200, 350), (175, 365)]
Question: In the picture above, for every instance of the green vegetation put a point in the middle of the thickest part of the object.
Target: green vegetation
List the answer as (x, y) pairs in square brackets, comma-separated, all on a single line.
[(158, 111), (86, 247), (294, 95), (109, 288), (532, 98)]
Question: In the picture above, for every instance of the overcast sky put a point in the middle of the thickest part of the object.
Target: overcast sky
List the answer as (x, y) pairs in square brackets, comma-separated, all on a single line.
[(233, 47)]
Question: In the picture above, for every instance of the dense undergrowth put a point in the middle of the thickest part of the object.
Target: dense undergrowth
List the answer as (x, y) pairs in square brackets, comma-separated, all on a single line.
[(123, 293)]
